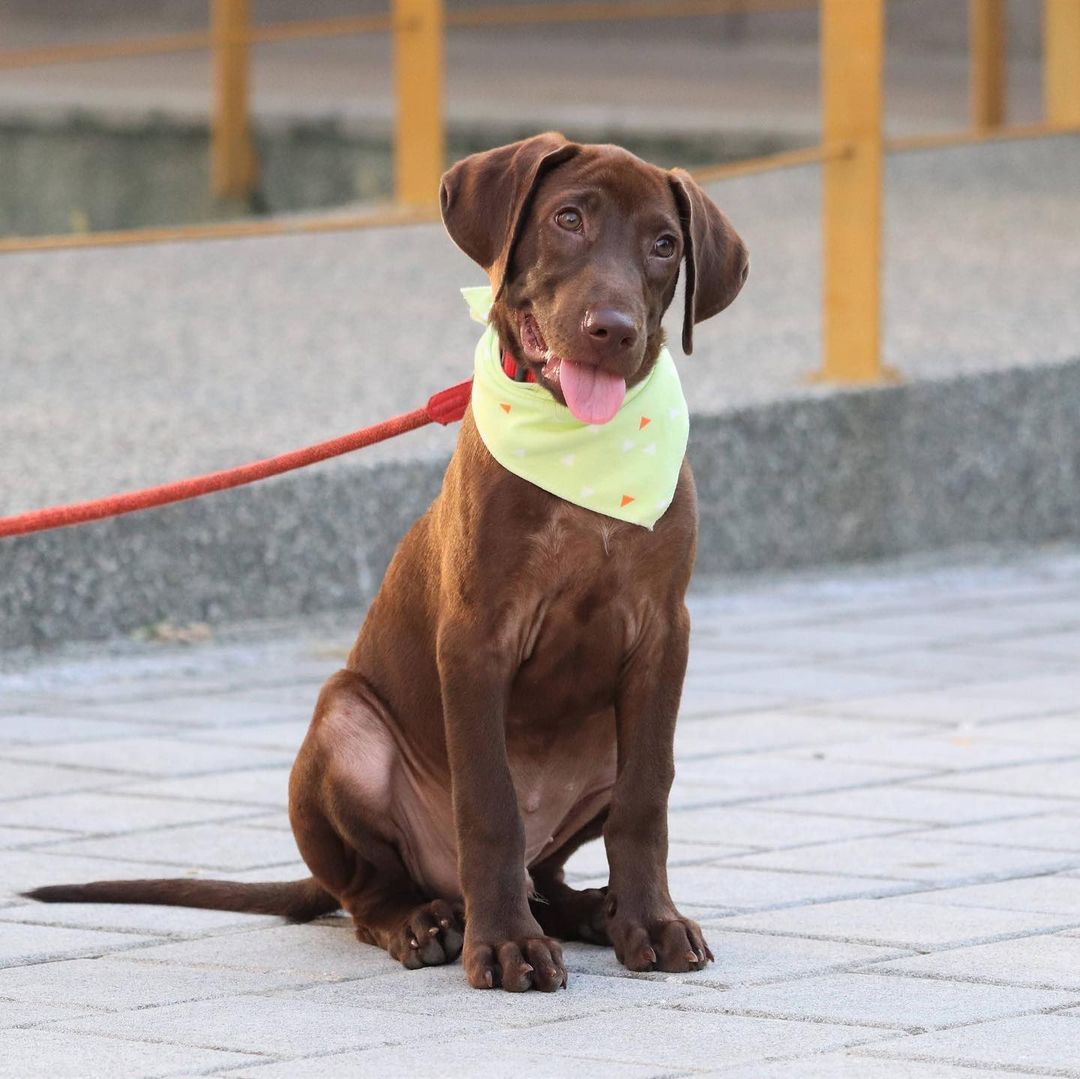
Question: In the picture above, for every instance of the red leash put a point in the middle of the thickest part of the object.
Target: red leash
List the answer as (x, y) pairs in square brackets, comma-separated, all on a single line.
[(447, 406)]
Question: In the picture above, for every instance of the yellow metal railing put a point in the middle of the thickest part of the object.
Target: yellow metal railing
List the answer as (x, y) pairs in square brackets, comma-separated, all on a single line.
[(851, 152)]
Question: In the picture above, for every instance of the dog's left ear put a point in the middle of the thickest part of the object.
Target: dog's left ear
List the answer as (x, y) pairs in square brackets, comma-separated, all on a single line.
[(484, 198), (717, 261)]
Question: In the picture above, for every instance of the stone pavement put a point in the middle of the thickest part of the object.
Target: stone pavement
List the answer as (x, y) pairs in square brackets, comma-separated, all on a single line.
[(876, 816)]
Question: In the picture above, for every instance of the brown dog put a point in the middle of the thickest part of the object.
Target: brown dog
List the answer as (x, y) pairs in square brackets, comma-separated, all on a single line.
[(513, 691)]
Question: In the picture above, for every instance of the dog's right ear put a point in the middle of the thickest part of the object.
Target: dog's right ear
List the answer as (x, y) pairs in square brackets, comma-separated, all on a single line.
[(484, 198)]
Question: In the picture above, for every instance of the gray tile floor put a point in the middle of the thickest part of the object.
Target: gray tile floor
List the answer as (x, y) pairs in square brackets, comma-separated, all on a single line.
[(876, 816)]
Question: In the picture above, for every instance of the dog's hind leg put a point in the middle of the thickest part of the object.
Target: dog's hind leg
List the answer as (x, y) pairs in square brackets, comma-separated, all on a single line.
[(564, 912), (336, 803)]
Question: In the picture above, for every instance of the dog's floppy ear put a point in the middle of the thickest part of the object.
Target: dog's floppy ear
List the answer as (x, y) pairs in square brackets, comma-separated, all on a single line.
[(484, 198), (717, 261)]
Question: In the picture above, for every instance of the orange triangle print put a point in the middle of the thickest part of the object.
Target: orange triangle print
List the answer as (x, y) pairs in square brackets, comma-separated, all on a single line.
[(504, 406), (626, 500), (645, 421)]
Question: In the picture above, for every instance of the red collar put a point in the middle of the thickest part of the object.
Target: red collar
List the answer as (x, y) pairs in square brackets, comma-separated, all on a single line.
[(511, 367)]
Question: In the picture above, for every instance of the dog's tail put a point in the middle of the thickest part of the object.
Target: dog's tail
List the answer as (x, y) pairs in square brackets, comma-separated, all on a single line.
[(297, 900)]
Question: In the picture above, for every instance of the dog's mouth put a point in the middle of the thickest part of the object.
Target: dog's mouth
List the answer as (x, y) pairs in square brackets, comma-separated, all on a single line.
[(592, 394)]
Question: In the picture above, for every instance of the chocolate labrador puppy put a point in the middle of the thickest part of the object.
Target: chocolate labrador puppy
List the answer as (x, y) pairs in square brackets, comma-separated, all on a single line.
[(513, 691)]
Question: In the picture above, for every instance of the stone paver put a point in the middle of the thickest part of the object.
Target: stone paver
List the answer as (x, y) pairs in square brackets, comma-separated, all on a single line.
[(876, 818)]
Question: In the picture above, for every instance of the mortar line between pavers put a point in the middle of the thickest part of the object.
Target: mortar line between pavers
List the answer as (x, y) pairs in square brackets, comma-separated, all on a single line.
[(128, 776), (1042, 869), (756, 799), (1039, 796), (72, 836), (56, 1025), (917, 949), (959, 1062), (959, 979)]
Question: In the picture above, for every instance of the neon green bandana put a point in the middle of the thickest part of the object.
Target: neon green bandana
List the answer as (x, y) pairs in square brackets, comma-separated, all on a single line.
[(626, 469)]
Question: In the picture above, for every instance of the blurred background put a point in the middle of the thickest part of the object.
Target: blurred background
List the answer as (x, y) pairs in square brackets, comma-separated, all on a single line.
[(124, 141)]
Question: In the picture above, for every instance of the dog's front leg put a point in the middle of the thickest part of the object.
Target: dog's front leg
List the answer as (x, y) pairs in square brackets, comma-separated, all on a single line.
[(504, 944), (647, 931)]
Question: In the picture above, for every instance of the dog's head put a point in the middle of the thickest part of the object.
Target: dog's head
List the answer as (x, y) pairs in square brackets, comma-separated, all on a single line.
[(583, 246)]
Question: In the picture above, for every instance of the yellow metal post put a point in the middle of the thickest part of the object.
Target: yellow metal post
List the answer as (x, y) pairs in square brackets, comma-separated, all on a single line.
[(852, 58), (232, 159), (987, 27), (1061, 59), (418, 73)]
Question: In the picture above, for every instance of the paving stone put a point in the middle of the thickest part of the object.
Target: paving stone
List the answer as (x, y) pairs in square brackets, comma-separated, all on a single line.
[(1052, 894), (1043, 831), (27, 837), (257, 786), (312, 951), (286, 1027), (741, 959), (54, 1054), (1049, 1044), (919, 803), (876, 1000), (691, 1040), (818, 682), (15, 1013), (1050, 780), (759, 827), (108, 984), (205, 846), (150, 756), (278, 821), (284, 735), (759, 889), (18, 779), (900, 923), (955, 705), (852, 1064), (214, 709), (37, 943), (444, 991), (1041, 962), (905, 858), (774, 731), (452, 1060), (33, 728), (1050, 692), (711, 701), (133, 918), (101, 812), (761, 775), (1061, 730), (956, 752)]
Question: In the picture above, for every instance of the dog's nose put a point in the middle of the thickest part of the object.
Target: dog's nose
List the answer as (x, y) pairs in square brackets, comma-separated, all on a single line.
[(610, 330)]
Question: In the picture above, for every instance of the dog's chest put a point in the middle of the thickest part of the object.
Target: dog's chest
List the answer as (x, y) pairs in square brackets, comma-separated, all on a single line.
[(579, 613)]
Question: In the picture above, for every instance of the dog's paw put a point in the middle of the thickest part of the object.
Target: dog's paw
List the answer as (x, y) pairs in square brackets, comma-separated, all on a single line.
[(431, 935), (667, 942), (515, 965)]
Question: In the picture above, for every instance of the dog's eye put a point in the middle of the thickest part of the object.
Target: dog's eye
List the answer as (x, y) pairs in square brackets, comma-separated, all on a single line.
[(568, 219), (664, 247)]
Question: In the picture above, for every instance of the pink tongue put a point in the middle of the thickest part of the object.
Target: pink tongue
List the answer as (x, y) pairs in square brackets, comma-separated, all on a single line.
[(592, 395)]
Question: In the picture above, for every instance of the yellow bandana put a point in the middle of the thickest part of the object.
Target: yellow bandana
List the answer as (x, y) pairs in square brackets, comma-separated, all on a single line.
[(626, 469)]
